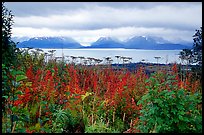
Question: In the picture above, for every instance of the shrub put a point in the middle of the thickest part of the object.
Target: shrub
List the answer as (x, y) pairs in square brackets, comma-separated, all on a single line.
[(173, 110)]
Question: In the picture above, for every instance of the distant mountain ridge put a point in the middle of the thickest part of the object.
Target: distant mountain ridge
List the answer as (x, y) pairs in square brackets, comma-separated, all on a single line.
[(107, 42), (152, 43), (50, 42), (136, 42)]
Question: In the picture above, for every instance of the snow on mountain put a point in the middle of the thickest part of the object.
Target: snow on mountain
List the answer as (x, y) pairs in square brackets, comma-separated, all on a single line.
[(107, 42), (50, 42), (153, 43), (136, 42)]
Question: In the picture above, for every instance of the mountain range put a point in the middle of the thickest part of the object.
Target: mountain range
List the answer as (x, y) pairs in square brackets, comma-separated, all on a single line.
[(136, 42), (49, 42)]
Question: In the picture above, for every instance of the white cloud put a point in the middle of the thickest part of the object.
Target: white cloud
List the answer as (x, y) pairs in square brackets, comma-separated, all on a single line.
[(86, 37), (86, 22), (97, 17)]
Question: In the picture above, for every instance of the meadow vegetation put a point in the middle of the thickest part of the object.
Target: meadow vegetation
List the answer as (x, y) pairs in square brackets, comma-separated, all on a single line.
[(40, 96)]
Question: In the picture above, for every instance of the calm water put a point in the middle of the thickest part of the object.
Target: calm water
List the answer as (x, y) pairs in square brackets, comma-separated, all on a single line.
[(167, 56)]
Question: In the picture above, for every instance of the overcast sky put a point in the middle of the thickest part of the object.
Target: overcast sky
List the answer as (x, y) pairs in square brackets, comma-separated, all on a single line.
[(87, 21)]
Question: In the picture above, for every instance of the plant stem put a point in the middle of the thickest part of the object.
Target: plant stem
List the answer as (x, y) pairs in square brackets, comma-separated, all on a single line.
[(114, 115), (123, 117), (13, 127)]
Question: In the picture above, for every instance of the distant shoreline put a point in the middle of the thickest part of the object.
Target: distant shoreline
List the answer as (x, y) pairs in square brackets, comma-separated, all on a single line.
[(148, 67), (137, 55), (106, 49)]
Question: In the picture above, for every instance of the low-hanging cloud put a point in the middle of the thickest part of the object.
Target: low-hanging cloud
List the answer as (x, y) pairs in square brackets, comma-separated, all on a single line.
[(86, 37), (88, 21), (97, 17)]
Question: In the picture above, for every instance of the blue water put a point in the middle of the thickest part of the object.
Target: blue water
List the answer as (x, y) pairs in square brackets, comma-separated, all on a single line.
[(167, 56)]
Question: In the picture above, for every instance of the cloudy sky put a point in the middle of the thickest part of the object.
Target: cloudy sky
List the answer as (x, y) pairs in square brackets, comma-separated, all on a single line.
[(87, 21)]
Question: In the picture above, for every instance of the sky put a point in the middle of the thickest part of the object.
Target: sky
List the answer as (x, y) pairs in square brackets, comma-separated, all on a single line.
[(87, 21)]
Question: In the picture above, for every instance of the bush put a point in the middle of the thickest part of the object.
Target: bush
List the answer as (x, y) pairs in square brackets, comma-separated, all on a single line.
[(172, 110)]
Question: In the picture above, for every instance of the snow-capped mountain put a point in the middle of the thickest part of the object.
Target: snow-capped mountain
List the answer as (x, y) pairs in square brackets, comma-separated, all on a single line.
[(50, 42), (159, 40), (142, 42), (107, 42), (136, 42), (152, 43)]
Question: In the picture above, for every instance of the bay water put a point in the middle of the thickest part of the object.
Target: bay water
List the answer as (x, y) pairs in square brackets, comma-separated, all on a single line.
[(137, 55)]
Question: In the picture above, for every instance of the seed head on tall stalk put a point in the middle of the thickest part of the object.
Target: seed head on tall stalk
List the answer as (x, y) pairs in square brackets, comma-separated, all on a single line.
[(117, 57), (157, 57)]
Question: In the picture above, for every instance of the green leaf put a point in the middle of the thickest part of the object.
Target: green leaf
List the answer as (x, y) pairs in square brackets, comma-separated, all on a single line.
[(15, 98), (142, 118), (44, 102), (72, 98), (180, 117), (20, 78), (14, 73), (181, 112), (19, 92), (185, 119), (68, 93), (163, 92), (146, 81), (29, 84), (159, 120), (5, 97), (151, 111), (159, 101), (181, 92), (174, 111), (125, 87), (20, 73), (76, 94), (145, 97), (14, 109), (151, 121), (140, 102), (3, 65), (180, 107), (22, 130)]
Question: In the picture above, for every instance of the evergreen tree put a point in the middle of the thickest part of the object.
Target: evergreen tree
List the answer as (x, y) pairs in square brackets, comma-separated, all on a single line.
[(194, 55), (8, 46), (197, 46), (9, 57)]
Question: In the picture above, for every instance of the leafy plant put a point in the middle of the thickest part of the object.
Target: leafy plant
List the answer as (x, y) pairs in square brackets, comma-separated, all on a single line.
[(60, 117), (100, 127), (173, 110)]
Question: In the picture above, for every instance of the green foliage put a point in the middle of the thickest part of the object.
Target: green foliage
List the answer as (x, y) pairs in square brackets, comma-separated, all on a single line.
[(197, 46), (169, 111), (8, 53), (17, 115), (118, 125), (27, 57), (8, 46), (59, 121), (194, 55), (6, 88), (62, 120), (100, 127), (173, 110), (186, 54)]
